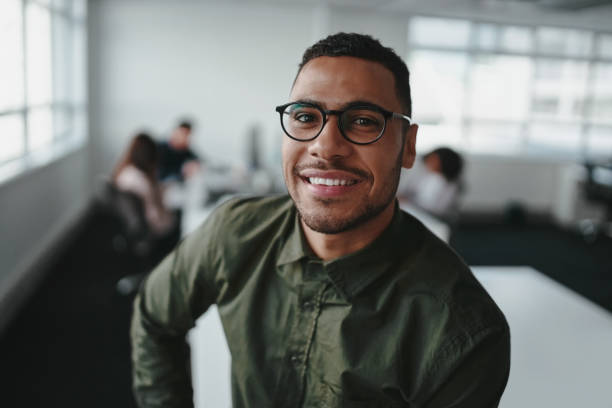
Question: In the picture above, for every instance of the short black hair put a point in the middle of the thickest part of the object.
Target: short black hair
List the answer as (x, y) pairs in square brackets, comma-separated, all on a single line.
[(451, 162), (368, 48), (185, 124)]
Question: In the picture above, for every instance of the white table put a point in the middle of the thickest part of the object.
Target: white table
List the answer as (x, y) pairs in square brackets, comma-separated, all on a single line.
[(210, 362), (561, 342)]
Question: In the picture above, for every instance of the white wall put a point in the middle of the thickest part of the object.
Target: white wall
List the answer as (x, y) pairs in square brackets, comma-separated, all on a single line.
[(228, 65), (494, 181), (37, 209)]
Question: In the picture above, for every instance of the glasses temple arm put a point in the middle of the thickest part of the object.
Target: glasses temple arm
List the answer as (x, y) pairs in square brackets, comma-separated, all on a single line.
[(401, 116)]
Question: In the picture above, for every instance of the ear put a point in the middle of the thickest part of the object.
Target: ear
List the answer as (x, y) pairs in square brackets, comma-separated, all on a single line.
[(410, 146)]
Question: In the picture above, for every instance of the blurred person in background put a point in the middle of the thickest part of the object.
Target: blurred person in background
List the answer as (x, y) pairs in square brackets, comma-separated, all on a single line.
[(177, 161), (136, 173), (434, 183)]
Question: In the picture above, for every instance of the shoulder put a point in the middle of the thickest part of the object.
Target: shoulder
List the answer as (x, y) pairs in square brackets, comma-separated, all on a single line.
[(238, 234), (241, 213), (132, 179), (455, 314), (465, 309), (246, 222), (131, 171)]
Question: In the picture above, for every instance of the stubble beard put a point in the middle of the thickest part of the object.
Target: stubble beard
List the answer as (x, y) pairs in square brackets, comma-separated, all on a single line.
[(321, 221)]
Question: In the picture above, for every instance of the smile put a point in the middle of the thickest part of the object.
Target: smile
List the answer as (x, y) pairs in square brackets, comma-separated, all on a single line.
[(330, 182)]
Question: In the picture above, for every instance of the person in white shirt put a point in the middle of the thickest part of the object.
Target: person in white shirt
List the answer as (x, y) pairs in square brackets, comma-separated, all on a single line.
[(434, 183), (137, 173)]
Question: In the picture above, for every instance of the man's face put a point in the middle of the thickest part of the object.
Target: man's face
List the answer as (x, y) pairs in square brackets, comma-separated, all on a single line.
[(364, 178), (181, 138)]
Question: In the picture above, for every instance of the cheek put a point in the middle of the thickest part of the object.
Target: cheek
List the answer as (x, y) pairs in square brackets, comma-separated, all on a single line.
[(385, 162), (285, 153), (288, 156)]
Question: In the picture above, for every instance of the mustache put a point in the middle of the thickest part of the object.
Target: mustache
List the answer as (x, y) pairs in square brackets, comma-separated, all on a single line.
[(331, 165)]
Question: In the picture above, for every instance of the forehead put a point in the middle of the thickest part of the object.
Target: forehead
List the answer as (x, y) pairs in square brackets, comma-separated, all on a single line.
[(336, 81)]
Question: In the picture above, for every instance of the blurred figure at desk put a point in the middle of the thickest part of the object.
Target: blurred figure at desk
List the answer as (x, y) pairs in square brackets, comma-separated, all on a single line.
[(176, 159), (434, 183), (136, 174)]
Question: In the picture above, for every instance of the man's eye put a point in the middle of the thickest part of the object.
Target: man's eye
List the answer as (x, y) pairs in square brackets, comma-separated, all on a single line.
[(365, 121), (304, 117)]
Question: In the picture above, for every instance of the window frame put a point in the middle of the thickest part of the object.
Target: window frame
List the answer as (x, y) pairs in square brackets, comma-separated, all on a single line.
[(60, 144), (474, 49)]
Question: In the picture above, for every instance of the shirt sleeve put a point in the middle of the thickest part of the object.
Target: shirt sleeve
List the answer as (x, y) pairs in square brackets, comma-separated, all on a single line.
[(171, 299), (477, 376)]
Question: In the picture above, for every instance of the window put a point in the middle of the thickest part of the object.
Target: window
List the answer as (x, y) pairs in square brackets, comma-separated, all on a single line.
[(42, 77), (600, 106), (440, 32), (496, 85), (509, 89), (604, 47), (564, 42), (517, 39), (441, 95), (559, 89)]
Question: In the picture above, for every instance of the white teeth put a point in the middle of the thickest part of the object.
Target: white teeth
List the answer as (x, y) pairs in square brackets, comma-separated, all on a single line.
[(330, 182)]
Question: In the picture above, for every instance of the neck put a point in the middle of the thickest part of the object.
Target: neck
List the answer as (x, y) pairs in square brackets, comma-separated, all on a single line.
[(332, 246)]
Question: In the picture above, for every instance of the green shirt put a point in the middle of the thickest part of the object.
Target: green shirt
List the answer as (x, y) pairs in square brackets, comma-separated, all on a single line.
[(400, 323)]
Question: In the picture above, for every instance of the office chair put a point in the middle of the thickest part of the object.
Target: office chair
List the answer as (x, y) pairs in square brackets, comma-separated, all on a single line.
[(598, 189), (125, 229)]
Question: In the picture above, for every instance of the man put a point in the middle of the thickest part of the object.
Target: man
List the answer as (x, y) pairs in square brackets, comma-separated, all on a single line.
[(332, 297), (176, 159)]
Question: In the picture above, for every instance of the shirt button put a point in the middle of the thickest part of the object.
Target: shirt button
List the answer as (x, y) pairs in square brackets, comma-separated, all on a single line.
[(307, 305), (295, 359)]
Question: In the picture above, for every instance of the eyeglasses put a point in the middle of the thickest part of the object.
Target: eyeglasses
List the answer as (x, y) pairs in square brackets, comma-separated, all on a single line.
[(359, 124)]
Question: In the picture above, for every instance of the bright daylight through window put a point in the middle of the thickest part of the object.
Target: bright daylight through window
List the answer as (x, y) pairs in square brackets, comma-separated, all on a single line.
[(43, 111), (513, 90)]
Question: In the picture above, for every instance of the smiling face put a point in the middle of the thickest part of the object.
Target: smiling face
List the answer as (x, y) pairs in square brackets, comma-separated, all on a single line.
[(338, 185)]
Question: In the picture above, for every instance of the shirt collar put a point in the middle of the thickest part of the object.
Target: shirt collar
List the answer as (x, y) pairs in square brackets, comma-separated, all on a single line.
[(295, 246), (352, 273)]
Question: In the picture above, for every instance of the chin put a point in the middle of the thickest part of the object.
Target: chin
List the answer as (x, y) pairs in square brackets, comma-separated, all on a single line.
[(340, 220)]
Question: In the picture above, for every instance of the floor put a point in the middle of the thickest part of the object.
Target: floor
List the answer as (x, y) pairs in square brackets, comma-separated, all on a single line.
[(561, 254), (69, 346)]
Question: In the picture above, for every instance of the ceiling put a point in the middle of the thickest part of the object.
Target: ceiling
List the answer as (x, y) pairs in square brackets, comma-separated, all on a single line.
[(591, 14), (592, 5)]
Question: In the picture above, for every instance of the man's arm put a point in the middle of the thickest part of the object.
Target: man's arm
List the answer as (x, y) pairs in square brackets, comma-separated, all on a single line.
[(479, 377), (169, 302)]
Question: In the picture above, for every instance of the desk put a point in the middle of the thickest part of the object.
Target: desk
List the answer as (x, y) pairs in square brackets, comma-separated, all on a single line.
[(561, 342), (210, 362)]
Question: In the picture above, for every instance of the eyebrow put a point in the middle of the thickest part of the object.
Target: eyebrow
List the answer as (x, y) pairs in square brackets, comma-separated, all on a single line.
[(351, 104)]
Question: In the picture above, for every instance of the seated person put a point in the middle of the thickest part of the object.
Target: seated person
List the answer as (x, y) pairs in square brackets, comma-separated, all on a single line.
[(434, 183), (176, 159), (135, 173)]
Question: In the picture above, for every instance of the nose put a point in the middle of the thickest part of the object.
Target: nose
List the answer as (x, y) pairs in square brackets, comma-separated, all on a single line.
[(330, 144)]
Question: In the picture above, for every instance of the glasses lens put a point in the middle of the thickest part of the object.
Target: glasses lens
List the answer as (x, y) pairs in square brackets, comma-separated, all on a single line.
[(362, 125), (302, 122)]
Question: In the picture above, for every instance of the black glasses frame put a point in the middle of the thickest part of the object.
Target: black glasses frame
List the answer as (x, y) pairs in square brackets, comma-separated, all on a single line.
[(325, 113)]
